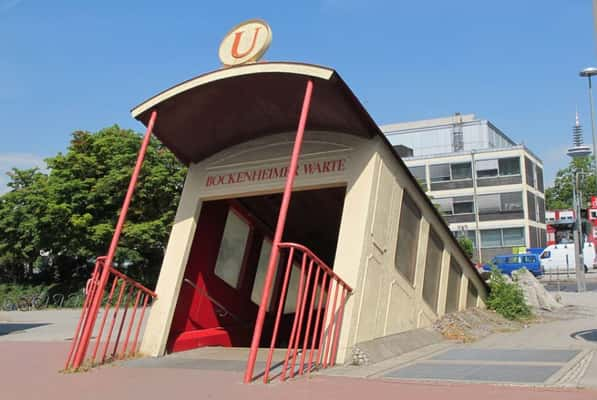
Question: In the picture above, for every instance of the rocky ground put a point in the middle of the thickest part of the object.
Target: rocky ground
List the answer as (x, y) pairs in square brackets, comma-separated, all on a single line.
[(472, 325)]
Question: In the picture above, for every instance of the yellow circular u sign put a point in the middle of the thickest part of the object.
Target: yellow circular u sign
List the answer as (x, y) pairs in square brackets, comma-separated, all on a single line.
[(246, 42)]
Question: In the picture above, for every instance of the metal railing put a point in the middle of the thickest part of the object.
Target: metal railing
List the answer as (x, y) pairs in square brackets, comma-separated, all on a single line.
[(125, 294), (317, 316)]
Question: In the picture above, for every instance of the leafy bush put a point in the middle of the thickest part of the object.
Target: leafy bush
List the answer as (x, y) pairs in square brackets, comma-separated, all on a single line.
[(506, 298), (467, 245), (15, 291)]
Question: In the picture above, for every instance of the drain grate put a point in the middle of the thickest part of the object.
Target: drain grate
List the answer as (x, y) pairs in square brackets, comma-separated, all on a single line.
[(488, 365), (507, 355), (476, 372)]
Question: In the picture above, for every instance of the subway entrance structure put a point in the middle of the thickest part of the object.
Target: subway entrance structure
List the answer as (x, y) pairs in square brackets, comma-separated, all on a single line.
[(299, 233)]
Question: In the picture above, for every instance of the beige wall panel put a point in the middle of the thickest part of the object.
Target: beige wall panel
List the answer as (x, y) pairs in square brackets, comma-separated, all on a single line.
[(463, 292), (173, 268), (370, 301), (443, 283), (353, 239), (382, 202), (425, 318), (400, 313)]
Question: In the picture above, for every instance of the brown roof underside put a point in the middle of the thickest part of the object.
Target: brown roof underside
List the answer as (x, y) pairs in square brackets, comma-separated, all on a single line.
[(212, 117)]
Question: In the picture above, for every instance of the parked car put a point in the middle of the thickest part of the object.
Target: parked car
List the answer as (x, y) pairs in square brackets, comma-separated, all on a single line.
[(511, 262), (535, 250), (560, 258)]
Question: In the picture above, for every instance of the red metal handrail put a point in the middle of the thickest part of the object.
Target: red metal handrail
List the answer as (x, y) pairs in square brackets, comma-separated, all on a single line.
[(316, 283), (99, 281), (130, 293)]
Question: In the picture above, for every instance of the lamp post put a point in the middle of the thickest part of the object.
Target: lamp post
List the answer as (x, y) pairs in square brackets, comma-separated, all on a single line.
[(588, 73), (574, 152)]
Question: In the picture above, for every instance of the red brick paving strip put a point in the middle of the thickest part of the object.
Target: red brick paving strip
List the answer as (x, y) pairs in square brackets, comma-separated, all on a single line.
[(29, 370)]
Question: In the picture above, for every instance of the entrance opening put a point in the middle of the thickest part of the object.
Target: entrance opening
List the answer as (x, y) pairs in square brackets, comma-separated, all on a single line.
[(224, 277)]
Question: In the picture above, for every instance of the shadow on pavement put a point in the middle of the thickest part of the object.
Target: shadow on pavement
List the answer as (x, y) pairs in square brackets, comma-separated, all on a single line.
[(6, 328), (590, 335)]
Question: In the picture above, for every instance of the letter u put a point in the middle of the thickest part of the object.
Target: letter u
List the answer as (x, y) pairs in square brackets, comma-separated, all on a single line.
[(237, 36)]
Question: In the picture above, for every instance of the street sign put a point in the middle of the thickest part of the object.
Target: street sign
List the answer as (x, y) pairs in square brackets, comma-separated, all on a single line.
[(246, 42)]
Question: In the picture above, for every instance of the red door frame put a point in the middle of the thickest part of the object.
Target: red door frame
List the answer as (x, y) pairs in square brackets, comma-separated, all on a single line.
[(196, 312)]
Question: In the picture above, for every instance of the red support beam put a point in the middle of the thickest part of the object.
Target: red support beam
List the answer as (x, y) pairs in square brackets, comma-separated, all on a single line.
[(95, 305), (273, 259)]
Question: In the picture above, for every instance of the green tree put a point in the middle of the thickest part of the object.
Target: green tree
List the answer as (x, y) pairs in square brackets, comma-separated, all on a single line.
[(560, 195), (467, 245), (20, 238), (72, 216)]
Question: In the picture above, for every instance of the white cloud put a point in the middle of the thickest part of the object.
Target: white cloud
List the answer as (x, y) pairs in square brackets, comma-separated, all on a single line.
[(17, 160)]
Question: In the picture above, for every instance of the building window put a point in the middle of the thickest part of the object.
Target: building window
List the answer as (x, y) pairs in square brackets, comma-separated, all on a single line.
[(232, 249), (461, 170), (503, 202), (450, 172), (266, 249), (453, 295), (513, 236), (487, 168), (489, 203), (440, 172), (540, 179), (529, 168), (509, 166), (408, 238), (433, 264), (445, 205), (511, 201), (500, 167), (293, 288), (491, 238), (463, 205), (506, 237), (419, 173), (532, 207), (455, 205)]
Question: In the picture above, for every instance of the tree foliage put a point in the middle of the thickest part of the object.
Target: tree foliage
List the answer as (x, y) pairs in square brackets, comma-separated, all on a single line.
[(560, 195), (467, 245), (54, 225)]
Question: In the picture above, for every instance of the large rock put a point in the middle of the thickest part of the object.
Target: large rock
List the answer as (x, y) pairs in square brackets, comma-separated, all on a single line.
[(534, 292)]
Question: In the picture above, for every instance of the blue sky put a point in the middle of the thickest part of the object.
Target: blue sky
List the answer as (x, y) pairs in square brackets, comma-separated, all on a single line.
[(70, 65)]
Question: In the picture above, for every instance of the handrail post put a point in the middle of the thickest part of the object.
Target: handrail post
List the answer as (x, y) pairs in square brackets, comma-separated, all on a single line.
[(90, 322), (269, 277)]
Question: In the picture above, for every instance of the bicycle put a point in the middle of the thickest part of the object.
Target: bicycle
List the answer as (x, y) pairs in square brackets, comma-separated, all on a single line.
[(8, 305), (58, 300)]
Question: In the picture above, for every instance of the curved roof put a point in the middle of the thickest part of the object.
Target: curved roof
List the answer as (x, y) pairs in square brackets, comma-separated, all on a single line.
[(214, 111), (209, 113)]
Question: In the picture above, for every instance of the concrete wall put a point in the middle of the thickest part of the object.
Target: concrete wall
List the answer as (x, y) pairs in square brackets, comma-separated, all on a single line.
[(384, 301)]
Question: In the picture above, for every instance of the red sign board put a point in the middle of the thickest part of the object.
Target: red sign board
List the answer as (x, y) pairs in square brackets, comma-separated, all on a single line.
[(593, 201)]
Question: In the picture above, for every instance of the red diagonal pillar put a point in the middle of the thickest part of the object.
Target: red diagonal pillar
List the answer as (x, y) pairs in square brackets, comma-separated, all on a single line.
[(273, 258), (99, 292)]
